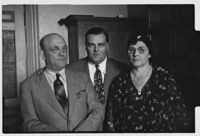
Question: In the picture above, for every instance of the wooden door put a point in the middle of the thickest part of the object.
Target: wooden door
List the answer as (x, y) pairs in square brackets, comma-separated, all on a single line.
[(14, 69)]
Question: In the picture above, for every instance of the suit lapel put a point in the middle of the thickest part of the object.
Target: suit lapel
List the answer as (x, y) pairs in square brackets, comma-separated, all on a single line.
[(108, 77), (86, 67), (71, 92), (46, 93)]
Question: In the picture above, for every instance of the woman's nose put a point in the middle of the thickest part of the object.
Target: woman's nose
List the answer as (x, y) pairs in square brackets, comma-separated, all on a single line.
[(135, 52)]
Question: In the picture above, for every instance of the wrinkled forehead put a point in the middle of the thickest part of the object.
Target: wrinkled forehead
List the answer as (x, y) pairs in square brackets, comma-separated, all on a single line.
[(54, 40), (96, 37), (138, 44)]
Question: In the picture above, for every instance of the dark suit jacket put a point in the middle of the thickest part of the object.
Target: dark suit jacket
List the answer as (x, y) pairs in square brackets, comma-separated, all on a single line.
[(42, 112), (113, 69)]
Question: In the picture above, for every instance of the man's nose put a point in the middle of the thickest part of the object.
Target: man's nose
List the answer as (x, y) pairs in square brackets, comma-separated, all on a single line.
[(96, 48), (61, 52)]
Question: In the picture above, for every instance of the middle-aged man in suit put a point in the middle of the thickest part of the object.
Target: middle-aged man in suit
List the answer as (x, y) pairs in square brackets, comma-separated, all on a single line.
[(59, 99), (96, 41)]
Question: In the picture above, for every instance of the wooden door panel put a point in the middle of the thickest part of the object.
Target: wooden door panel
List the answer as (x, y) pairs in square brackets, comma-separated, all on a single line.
[(13, 46)]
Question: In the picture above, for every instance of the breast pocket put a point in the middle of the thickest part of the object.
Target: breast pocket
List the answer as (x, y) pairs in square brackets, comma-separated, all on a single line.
[(81, 96), (81, 102)]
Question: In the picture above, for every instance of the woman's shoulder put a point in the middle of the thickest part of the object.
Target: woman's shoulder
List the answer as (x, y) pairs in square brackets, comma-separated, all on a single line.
[(123, 77), (163, 73), (161, 70)]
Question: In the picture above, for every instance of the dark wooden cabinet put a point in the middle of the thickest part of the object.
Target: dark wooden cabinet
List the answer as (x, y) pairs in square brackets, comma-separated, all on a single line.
[(119, 30)]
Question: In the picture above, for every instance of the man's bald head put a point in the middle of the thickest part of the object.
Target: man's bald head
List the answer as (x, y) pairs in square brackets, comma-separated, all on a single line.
[(48, 38), (54, 51)]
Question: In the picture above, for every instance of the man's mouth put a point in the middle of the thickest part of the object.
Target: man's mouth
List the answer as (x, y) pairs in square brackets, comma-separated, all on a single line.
[(136, 59), (62, 59), (96, 54)]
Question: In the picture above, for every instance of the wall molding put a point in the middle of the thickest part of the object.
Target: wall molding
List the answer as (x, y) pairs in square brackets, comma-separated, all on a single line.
[(32, 38)]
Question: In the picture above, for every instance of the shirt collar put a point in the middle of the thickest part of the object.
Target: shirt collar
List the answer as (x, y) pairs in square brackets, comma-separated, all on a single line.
[(53, 74), (102, 65)]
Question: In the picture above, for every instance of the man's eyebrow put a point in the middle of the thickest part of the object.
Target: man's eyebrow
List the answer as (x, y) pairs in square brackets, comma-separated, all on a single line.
[(101, 43), (89, 43)]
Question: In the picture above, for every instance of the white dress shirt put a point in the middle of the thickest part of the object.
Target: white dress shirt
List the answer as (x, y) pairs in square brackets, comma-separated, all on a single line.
[(102, 68), (51, 77)]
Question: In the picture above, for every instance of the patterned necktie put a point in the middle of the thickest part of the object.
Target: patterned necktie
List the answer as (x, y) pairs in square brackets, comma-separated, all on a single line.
[(60, 93), (98, 85)]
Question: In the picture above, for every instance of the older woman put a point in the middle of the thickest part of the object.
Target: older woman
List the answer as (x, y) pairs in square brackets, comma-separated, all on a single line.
[(147, 98)]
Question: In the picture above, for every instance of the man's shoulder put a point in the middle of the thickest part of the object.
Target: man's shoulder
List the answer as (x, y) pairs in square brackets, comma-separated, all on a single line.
[(113, 61), (32, 79), (74, 72), (78, 76), (117, 64), (77, 65)]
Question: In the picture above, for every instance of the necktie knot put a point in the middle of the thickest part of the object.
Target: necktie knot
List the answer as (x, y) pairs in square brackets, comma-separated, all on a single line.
[(97, 66), (57, 75), (57, 82)]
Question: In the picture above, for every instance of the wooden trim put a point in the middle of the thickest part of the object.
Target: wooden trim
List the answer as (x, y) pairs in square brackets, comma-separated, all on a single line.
[(8, 16), (11, 102), (32, 38)]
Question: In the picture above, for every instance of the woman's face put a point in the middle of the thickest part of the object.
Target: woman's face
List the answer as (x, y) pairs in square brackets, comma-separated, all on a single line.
[(138, 54)]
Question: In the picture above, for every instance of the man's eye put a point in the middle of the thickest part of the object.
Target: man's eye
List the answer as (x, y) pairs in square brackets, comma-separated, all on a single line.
[(102, 44), (90, 45), (64, 48), (54, 49)]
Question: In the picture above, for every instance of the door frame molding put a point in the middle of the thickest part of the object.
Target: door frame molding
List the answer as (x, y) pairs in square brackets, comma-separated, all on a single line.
[(32, 38)]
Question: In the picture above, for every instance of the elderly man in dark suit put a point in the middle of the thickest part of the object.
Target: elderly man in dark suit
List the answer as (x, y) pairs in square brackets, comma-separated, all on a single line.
[(59, 99), (97, 65)]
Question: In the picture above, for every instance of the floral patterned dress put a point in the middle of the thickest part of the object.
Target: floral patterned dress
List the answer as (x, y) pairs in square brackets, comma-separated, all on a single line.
[(159, 107)]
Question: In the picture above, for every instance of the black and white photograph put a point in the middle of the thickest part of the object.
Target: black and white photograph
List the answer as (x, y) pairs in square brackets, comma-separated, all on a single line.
[(100, 68)]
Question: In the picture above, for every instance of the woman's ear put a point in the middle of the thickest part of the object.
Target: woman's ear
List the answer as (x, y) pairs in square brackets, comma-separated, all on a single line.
[(149, 55)]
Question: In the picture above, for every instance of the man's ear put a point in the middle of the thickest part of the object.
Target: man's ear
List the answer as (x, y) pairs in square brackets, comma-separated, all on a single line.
[(43, 55), (107, 46)]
